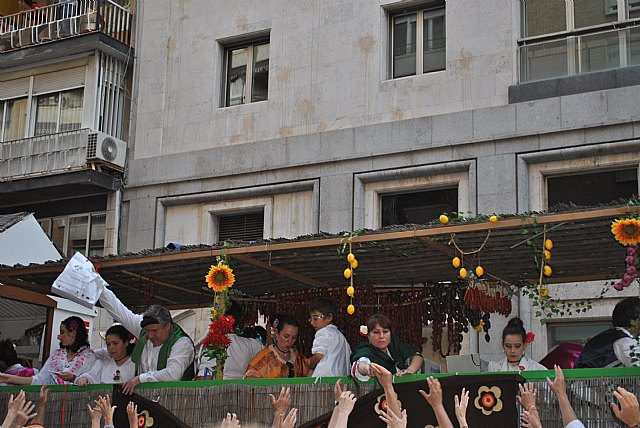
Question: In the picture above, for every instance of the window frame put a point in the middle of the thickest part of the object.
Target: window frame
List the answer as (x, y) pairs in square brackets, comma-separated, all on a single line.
[(58, 94), (434, 9), (67, 220), (250, 45)]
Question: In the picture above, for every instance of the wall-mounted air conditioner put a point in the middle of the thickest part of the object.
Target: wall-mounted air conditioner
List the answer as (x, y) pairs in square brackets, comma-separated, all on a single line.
[(104, 148)]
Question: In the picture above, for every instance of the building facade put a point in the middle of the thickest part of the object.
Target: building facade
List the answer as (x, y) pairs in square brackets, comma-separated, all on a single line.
[(277, 119), (65, 81)]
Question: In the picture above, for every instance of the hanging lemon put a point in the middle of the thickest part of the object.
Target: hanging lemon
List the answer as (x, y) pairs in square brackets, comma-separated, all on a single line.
[(455, 262), (547, 255), (544, 291), (347, 273), (444, 219), (547, 270), (463, 273), (479, 327), (350, 291), (493, 219), (548, 244), (354, 264), (351, 309), (351, 257), (479, 271)]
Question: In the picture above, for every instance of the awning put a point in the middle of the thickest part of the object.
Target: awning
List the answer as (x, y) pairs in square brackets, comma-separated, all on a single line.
[(584, 250)]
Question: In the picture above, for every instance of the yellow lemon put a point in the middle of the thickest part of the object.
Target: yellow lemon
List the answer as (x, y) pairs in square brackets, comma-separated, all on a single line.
[(479, 271), (547, 255), (351, 309), (493, 219), (350, 291), (463, 273), (479, 327), (351, 257), (548, 244), (354, 264), (547, 270), (347, 273), (544, 291), (455, 262), (444, 219)]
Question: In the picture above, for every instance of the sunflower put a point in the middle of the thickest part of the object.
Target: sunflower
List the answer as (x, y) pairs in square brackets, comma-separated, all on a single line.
[(220, 277), (626, 231)]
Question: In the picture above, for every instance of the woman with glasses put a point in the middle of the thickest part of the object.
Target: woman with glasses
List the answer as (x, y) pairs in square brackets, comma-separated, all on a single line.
[(279, 359)]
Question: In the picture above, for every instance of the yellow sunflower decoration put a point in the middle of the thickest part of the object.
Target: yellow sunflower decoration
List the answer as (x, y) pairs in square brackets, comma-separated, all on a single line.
[(626, 231), (220, 277)]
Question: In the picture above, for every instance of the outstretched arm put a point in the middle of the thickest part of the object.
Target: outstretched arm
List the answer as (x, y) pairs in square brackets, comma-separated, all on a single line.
[(629, 411), (42, 405), (434, 398), (559, 387), (120, 312)]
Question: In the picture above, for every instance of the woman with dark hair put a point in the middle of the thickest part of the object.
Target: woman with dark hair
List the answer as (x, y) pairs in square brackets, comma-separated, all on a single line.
[(514, 344), (114, 363), (73, 358), (279, 359), (385, 349)]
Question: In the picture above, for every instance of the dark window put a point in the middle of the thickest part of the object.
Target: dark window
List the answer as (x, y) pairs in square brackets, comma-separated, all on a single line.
[(418, 207), (592, 188), (241, 227)]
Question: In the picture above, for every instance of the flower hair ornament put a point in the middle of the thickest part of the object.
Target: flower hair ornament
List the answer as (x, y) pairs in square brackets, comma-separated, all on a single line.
[(274, 326), (364, 331), (529, 338)]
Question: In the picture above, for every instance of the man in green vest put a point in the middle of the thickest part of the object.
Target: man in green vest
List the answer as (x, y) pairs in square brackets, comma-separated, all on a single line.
[(164, 352)]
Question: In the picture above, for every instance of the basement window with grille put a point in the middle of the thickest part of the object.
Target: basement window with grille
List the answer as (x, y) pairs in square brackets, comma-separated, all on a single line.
[(418, 207), (241, 227), (592, 188)]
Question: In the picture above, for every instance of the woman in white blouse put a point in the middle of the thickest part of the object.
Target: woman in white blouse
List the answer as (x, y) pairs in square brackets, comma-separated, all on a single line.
[(514, 345), (114, 364)]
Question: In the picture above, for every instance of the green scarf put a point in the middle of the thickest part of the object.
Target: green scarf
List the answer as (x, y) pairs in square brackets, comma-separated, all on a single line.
[(176, 333), (401, 354)]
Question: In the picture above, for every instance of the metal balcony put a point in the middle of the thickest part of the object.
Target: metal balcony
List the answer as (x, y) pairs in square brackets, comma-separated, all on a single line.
[(63, 21)]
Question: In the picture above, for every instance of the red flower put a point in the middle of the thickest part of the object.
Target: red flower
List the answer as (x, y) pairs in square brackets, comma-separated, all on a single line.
[(530, 337)]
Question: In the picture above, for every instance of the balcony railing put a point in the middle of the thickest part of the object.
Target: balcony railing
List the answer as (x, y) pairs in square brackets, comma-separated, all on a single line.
[(44, 155), (569, 54), (60, 21)]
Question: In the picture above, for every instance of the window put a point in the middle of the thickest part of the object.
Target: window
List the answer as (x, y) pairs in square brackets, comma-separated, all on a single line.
[(578, 332), (418, 41), (418, 207), (83, 233), (58, 112), (592, 188), (14, 119), (247, 73), (241, 227), (568, 37)]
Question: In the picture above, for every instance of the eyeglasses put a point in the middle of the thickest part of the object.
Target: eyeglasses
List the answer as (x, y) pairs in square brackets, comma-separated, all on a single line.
[(292, 373), (316, 318)]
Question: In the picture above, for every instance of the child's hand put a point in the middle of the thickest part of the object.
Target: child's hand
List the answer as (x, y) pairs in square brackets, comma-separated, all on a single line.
[(338, 390), (434, 397), (132, 415)]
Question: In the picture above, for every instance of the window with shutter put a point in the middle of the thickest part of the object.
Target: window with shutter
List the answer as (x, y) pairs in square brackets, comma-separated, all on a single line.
[(241, 227)]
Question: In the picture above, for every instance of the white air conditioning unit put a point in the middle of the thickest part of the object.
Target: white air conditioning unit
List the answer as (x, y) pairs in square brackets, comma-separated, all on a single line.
[(104, 148)]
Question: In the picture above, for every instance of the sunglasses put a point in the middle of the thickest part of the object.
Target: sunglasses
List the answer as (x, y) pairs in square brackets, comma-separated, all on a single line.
[(291, 372)]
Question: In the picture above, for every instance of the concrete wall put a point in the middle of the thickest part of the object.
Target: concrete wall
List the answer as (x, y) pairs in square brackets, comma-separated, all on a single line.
[(334, 122)]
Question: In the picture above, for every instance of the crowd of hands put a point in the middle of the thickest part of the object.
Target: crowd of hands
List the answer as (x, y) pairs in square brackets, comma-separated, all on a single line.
[(20, 411)]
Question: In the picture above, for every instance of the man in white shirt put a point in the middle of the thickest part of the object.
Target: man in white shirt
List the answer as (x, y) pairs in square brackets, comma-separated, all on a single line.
[(164, 352)]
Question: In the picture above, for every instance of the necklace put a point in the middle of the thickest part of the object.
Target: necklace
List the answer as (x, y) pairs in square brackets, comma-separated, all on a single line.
[(285, 354), (121, 359)]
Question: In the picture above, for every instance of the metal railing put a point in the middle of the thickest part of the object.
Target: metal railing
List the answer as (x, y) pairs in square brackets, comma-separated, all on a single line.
[(579, 52), (66, 19), (44, 155)]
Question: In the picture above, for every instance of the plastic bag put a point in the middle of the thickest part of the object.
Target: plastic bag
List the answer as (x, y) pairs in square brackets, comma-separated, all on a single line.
[(79, 282)]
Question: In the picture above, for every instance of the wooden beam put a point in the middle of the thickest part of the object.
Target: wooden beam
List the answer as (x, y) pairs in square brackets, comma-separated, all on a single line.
[(280, 271), (165, 284), (48, 332), (27, 296), (510, 223)]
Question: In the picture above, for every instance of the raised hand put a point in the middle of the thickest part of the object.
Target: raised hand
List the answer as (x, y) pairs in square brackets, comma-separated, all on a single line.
[(346, 402), (392, 420), (104, 404), (282, 404), (628, 411), (23, 413), (338, 389), (527, 396), (132, 415), (559, 385), (530, 420), (461, 407), (230, 421), (290, 420), (434, 397)]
